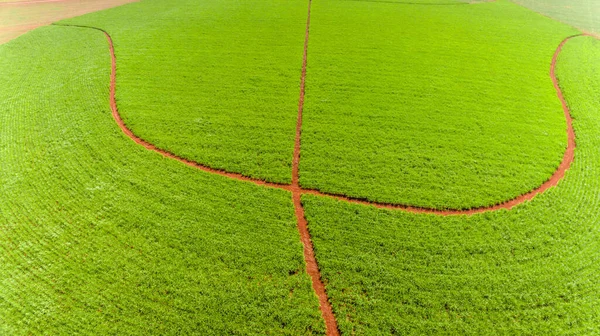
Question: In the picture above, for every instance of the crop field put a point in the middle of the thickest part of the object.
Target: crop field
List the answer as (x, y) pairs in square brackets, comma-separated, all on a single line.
[(297, 167), (534, 270), (436, 131)]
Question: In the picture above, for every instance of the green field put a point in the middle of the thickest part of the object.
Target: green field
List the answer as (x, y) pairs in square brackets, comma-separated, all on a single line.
[(99, 236), (531, 271), (456, 127), (379, 123), (435, 103), (213, 81)]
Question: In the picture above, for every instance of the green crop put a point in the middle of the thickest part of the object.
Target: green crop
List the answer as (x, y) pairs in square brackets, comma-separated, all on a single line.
[(99, 236), (534, 270), (213, 81), (433, 106)]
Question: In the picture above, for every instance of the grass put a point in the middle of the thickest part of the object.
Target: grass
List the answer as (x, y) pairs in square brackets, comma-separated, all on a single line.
[(530, 271), (473, 120), (583, 14), (214, 81), (99, 236)]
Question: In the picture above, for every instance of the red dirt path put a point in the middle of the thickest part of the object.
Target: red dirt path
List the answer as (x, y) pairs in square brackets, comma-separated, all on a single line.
[(297, 191), (312, 266)]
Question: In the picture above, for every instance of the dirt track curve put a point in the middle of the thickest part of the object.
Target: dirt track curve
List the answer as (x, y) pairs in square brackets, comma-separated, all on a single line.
[(297, 191), (295, 188)]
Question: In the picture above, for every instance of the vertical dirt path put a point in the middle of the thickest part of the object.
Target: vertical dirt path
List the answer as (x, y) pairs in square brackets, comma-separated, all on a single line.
[(312, 266)]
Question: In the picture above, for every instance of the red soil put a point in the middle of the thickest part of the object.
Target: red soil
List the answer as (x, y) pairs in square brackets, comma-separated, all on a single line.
[(29, 2), (297, 191), (309, 255), (19, 17)]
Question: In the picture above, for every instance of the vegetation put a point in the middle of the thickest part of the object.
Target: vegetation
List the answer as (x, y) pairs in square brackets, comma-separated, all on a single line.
[(100, 236), (213, 81), (473, 120), (530, 271)]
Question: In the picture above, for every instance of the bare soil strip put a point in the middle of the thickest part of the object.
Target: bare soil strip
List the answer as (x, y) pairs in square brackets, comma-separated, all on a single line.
[(19, 17), (30, 2), (297, 191)]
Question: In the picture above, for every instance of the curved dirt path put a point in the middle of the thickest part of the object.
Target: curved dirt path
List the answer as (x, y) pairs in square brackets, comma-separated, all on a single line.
[(295, 188), (297, 191)]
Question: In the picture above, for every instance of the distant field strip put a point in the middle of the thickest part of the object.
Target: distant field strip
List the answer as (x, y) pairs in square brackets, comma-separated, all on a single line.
[(26, 2), (423, 2), (427, 2), (17, 18)]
